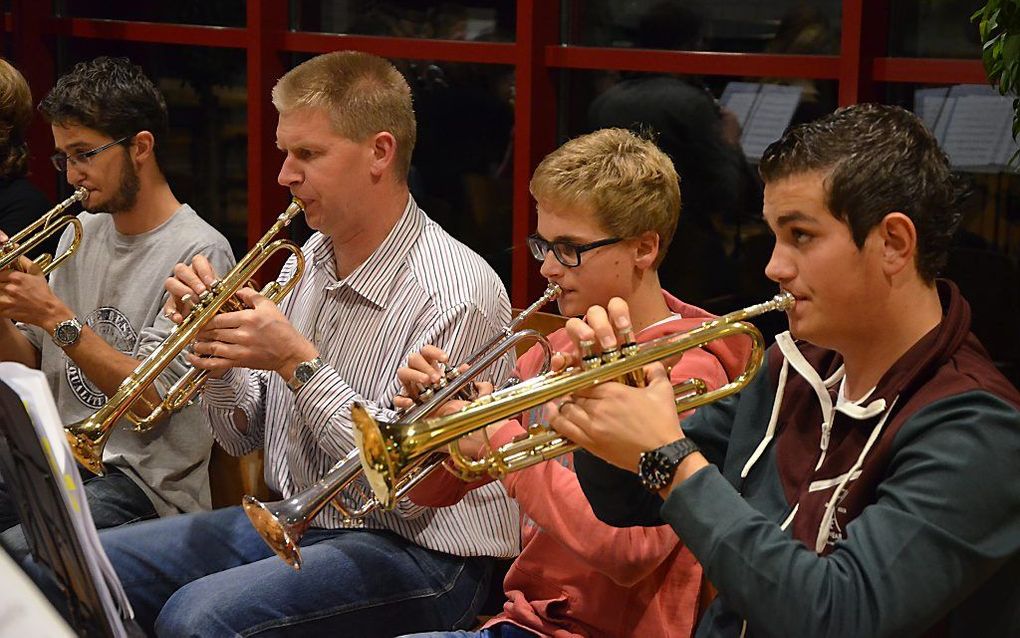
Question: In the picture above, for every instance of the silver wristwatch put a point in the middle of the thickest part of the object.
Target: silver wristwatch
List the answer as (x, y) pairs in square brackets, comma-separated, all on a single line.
[(66, 333), (303, 373)]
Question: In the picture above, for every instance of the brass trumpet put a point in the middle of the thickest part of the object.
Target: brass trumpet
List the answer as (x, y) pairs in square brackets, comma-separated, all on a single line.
[(282, 523), (40, 230), (88, 437), (388, 450)]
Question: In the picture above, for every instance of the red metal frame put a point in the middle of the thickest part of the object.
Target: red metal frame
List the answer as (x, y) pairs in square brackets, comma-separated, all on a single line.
[(694, 62), (534, 133), (154, 32), (928, 71), (536, 54), (412, 48)]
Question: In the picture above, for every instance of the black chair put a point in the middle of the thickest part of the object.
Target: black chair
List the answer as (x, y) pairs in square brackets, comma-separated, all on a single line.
[(46, 522)]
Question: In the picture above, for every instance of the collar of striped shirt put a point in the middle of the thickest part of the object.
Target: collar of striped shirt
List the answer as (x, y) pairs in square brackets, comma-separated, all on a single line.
[(376, 276)]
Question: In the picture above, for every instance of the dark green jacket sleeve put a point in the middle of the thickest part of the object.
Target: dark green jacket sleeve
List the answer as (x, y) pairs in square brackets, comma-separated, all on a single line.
[(945, 520), (617, 496)]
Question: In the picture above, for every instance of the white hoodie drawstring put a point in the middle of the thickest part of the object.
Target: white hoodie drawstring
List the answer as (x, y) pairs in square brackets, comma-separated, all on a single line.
[(830, 507)]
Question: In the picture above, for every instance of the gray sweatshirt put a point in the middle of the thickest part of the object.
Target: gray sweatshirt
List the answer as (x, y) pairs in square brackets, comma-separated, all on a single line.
[(114, 284)]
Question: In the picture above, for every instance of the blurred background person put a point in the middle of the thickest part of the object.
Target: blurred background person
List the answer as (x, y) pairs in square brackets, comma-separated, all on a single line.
[(21, 203)]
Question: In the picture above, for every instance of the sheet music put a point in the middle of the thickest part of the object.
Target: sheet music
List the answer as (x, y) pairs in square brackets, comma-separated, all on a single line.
[(739, 97), (741, 105), (978, 132), (972, 123), (929, 105), (24, 611), (763, 110), (769, 118), (35, 393)]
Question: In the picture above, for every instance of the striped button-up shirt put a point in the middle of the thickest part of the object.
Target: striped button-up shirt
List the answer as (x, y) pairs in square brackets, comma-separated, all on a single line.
[(419, 287)]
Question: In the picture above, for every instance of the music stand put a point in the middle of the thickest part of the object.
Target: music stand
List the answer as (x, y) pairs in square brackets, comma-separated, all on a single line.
[(46, 522)]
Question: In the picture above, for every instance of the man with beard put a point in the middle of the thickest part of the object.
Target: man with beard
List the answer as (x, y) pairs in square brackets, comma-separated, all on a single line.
[(102, 311)]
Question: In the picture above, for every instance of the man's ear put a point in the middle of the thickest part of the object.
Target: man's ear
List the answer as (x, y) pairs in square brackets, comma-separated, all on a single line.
[(647, 249), (144, 146), (384, 152), (899, 242)]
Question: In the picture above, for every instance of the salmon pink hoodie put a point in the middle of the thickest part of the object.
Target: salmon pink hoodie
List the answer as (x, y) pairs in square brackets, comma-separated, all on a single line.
[(576, 576)]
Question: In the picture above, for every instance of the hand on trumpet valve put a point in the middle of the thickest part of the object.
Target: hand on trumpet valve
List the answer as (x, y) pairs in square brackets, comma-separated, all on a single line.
[(259, 337), (618, 422), (23, 264), (26, 297), (186, 287), (426, 373)]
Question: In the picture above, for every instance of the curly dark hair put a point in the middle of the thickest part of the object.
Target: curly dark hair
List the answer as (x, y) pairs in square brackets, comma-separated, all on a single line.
[(880, 159), (15, 117), (110, 95)]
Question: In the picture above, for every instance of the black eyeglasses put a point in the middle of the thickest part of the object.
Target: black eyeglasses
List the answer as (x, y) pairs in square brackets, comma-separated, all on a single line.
[(60, 161), (565, 252)]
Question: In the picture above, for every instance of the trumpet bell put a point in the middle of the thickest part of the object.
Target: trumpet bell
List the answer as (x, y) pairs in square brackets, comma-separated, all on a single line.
[(87, 442), (376, 461), (279, 526)]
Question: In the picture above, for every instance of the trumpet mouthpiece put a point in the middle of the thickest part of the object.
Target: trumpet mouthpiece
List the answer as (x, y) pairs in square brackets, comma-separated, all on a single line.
[(784, 301)]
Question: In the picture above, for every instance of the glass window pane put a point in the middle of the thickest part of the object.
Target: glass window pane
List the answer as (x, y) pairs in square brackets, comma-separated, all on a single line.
[(462, 166), (204, 156), (473, 20), (223, 13), (934, 29), (749, 26), (717, 257), (983, 257)]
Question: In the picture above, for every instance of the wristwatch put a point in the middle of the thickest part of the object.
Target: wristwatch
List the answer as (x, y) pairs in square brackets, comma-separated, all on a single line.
[(303, 373), (657, 467), (66, 333)]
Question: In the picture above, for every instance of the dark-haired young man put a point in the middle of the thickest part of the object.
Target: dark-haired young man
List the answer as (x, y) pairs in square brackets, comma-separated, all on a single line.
[(102, 310), (866, 483)]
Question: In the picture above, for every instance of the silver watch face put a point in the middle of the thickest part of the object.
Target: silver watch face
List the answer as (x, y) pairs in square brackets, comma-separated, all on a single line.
[(67, 332)]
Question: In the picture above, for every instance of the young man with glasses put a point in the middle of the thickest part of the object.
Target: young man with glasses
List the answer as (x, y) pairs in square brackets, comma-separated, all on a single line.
[(608, 203), (102, 311)]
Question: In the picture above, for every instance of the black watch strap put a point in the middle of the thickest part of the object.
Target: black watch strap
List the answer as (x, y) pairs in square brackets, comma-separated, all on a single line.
[(657, 467)]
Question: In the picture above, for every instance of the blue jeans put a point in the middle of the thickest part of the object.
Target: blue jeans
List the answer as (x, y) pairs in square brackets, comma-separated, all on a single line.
[(502, 630), (113, 499), (210, 574)]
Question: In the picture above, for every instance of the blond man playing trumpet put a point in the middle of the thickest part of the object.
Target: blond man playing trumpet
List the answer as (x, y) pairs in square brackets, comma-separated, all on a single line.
[(608, 204), (381, 279)]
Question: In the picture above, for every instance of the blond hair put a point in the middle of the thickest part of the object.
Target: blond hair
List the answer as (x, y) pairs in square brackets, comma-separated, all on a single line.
[(626, 180), (363, 94), (15, 117)]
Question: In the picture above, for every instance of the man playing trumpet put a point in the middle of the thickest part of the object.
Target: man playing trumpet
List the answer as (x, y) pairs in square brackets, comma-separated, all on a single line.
[(103, 309), (381, 280), (608, 204), (866, 483)]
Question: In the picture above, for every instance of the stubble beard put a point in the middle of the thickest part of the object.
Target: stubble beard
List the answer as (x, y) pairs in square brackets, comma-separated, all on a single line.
[(126, 195)]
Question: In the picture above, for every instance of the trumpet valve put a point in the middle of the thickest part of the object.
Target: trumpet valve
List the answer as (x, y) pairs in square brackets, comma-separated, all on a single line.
[(589, 359), (611, 355), (634, 378)]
